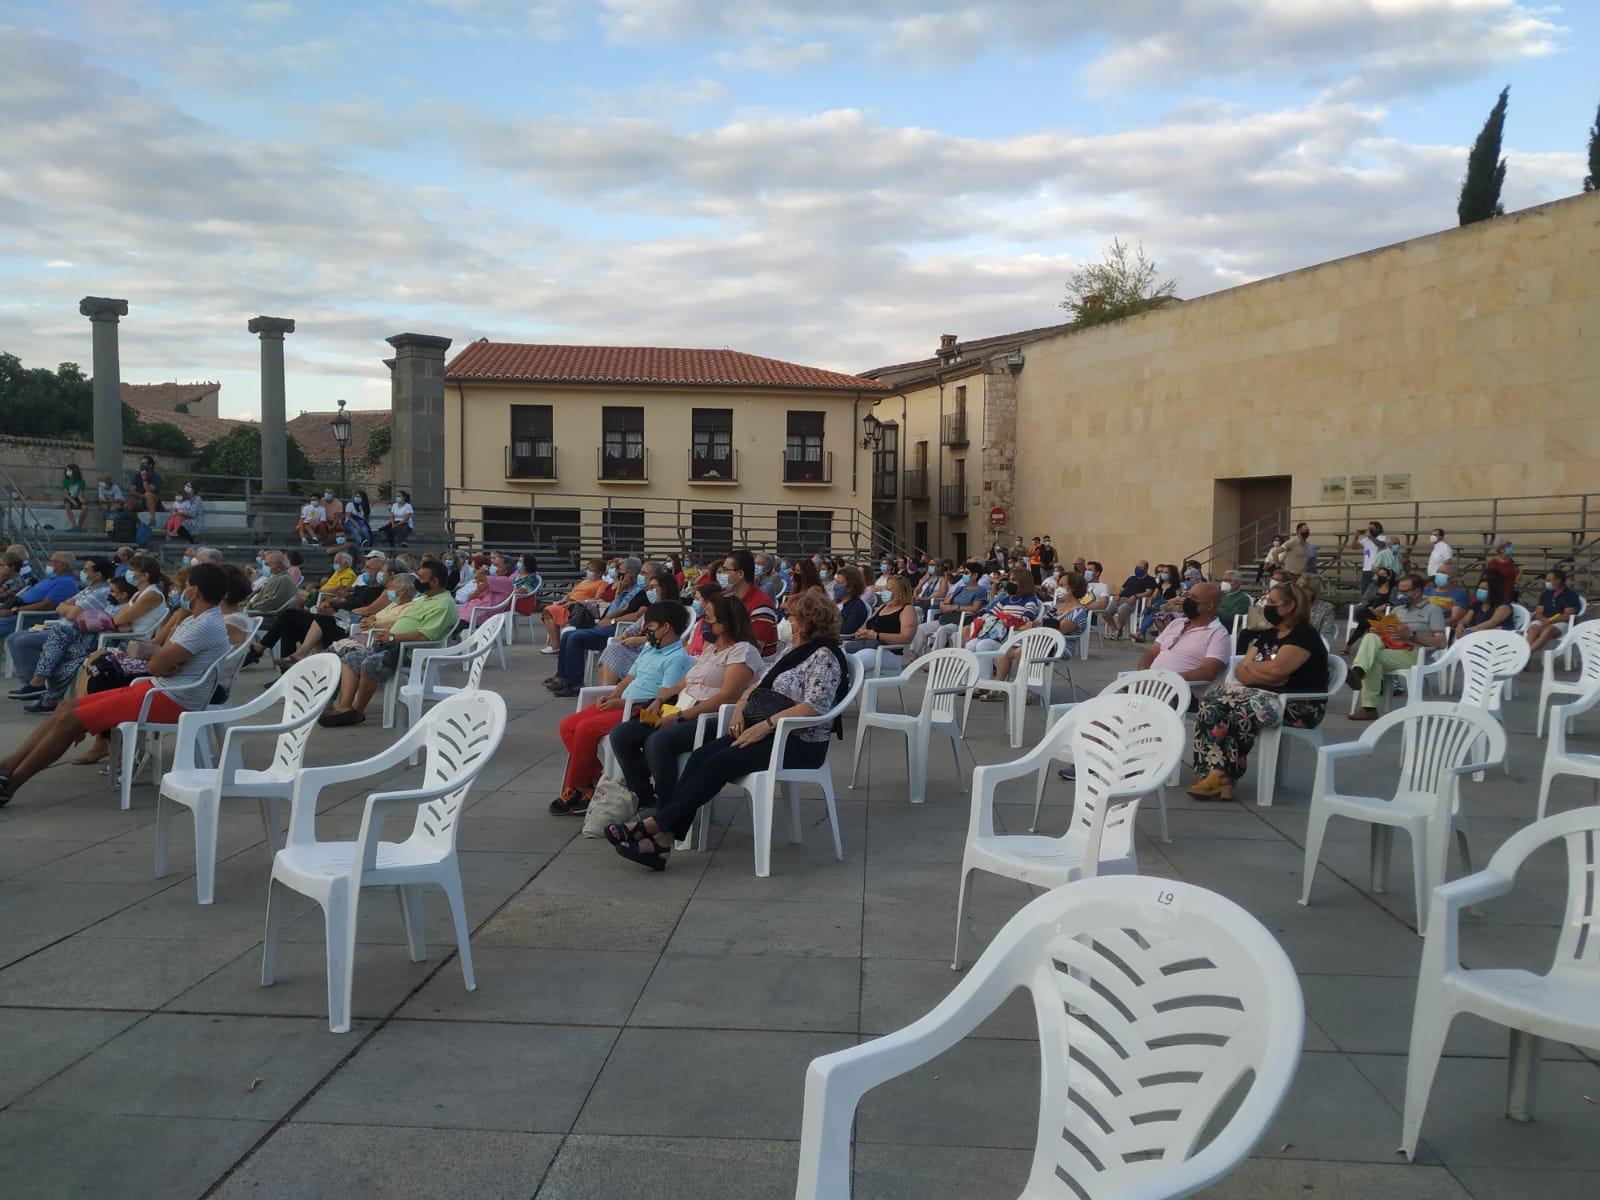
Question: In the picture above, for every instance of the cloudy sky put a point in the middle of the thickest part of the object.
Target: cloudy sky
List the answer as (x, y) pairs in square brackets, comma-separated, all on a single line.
[(835, 182)]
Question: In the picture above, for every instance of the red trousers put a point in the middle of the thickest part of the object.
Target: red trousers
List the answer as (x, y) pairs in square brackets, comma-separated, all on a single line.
[(580, 734)]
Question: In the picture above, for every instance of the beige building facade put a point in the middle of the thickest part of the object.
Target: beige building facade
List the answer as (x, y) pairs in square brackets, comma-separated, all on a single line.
[(620, 448), (1453, 379)]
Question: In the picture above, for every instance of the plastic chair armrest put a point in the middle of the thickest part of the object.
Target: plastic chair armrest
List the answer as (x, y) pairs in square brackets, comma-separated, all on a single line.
[(1347, 750), (588, 695), (380, 804)]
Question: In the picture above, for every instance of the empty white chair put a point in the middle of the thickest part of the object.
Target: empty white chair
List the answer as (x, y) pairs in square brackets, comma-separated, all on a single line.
[(223, 674), (1123, 747), (762, 786), (1269, 760), (1563, 1004), (1439, 744), (1488, 661), (422, 684), (1585, 639), (303, 691), (1558, 758), (457, 738), (1034, 675), (1166, 686), (391, 689), (951, 675), (1159, 1005)]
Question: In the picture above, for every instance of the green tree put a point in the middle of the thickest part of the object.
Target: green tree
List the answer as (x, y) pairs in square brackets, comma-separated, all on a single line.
[(238, 452), (1116, 287), (159, 436), (38, 402), (379, 442), (1486, 170), (1591, 182)]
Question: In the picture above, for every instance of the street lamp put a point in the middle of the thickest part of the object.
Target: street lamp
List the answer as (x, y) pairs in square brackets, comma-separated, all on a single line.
[(872, 432), (341, 434)]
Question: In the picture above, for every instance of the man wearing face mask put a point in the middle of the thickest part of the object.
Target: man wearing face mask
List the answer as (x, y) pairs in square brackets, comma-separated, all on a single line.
[(970, 594), (277, 586), (1447, 595), (573, 651), (738, 576), (1140, 585), (1195, 645), (1235, 601), (1441, 554), (60, 583), (1421, 624)]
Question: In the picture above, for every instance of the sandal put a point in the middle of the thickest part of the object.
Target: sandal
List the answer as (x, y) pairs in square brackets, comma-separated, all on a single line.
[(648, 853), (625, 833)]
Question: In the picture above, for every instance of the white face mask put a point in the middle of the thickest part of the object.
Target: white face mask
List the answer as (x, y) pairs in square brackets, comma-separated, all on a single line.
[(1225, 586)]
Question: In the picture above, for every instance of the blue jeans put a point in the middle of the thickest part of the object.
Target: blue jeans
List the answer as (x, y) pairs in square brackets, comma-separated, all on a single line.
[(575, 647), (25, 650), (648, 758)]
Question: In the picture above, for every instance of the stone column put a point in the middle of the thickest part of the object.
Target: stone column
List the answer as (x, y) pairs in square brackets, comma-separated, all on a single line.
[(417, 395), (1000, 448), (274, 437), (103, 315)]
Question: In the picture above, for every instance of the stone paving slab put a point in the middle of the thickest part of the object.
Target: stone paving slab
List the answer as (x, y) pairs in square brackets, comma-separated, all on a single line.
[(649, 1033)]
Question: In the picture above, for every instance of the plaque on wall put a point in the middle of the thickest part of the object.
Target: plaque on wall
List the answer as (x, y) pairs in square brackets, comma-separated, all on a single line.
[(1363, 487), (1397, 487), (1333, 489)]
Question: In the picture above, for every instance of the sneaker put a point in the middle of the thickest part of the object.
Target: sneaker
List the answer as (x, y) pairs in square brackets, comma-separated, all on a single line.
[(551, 650), (1068, 772), (26, 692), (1397, 688), (571, 803)]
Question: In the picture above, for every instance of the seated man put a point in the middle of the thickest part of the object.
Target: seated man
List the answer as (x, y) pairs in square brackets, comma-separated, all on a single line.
[(339, 582), (428, 618), (1195, 645), (276, 589), (1558, 604), (741, 575), (1235, 601), (60, 583), (313, 520), (1138, 586), (331, 527), (27, 644), (1447, 594), (179, 673), (144, 490), (575, 644), (968, 594), (1421, 624)]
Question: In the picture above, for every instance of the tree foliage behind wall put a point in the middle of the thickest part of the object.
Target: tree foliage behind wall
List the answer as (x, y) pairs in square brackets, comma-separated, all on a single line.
[(1118, 286), (1591, 182), (40, 403), (1486, 170), (238, 452)]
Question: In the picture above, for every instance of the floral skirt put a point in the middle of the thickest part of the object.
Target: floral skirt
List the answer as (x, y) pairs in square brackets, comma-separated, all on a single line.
[(1230, 718)]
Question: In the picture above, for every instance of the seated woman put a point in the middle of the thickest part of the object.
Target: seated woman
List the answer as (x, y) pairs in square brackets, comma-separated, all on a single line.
[(178, 672), (1379, 595), (588, 590), (1016, 605), (806, 578), (493, 590), (400, 516), (576, 643), (656, 675), (891, 628), (720, 674), (73, 487), (1490, 607), (805, 682), (700, 615), (471, 576), (1287, 657), (617, 659), (930, 590), (1168, 599), (853, 610), (358, 518), (1069, 614), (525, 584)]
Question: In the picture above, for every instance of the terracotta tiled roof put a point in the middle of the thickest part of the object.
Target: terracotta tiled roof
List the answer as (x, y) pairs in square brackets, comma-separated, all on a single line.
[(970, 353), (516, 362), (159, 402), (314, 432)]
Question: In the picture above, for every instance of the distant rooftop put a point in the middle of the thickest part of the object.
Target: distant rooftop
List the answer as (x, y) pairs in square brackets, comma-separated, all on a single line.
[(517, 362), (954, 352)]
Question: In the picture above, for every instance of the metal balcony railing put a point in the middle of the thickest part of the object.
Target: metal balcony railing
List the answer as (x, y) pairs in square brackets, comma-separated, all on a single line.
[(916, 483), (622, 468), (808, 470), (953, 429), (714, 468), (527, 465), (953, 500)]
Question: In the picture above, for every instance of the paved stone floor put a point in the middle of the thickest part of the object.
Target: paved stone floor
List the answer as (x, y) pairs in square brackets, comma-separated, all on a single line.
[(643, 1034)]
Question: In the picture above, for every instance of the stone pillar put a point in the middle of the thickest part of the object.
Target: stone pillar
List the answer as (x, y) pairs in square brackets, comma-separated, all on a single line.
[(417, 395), (1000, 447), (274, 419), (103, 315)]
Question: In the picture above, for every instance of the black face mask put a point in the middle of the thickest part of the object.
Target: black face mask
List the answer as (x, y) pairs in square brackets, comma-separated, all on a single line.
[(1271, 613), (650, 637), (1011, 588), (1191, 608)]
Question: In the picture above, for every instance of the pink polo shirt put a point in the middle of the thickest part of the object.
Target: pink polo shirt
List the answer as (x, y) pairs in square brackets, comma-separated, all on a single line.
[(1184, 649)]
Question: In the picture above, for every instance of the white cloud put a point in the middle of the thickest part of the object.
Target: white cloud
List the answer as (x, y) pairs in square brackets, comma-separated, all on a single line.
[(778, 55)]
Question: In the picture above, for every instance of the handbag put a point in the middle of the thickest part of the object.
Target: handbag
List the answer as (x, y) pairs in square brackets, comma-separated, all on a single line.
[(764, 704), (96, 620), (581, 617), (611, 803)]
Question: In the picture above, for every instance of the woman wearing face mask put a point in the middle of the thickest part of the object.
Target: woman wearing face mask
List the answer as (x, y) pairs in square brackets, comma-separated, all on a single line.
[(1288, 656), (804, 577), (401, 514), (187, 513), (851, 585), (1502, 564), (890, 628), (358, 518), (622, 651), (1016, 605), (657, 672), (1378, 597), (588, 590), (1168, 599), (492, 591), (1067, 614), (1489, 608)]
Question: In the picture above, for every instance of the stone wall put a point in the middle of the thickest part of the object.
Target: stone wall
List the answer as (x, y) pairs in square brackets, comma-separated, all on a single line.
[(999, 452), (35, 464), (1464, 365)]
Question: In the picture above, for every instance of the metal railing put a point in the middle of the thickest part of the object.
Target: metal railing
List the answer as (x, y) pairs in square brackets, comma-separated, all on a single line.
[(808, 470), (953, 429), (916, 483), (714, 468), (530, 466), (621, 468), (953, 499)]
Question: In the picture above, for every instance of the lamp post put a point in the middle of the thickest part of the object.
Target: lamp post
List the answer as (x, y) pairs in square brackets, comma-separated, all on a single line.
[(341, 434)]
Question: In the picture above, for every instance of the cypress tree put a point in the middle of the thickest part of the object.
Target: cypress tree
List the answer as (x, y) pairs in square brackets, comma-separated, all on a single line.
[(1486, 170), (1592, 182)]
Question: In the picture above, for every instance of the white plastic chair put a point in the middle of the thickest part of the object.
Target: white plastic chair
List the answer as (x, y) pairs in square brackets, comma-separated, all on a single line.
[(458, 738), (391, 689), (1034, 675), (303, 691), (480, 617), (1562, 1005), (1440, 740), (950, 674), (223, 673), (1268, 761), (25, 620), (1585, 639), (762, 786), (422, 684), (1583, 607), (1487, 661), (1123, 747), (1558, 759), (1166, 686), (588, 696), (1156, 1002)]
